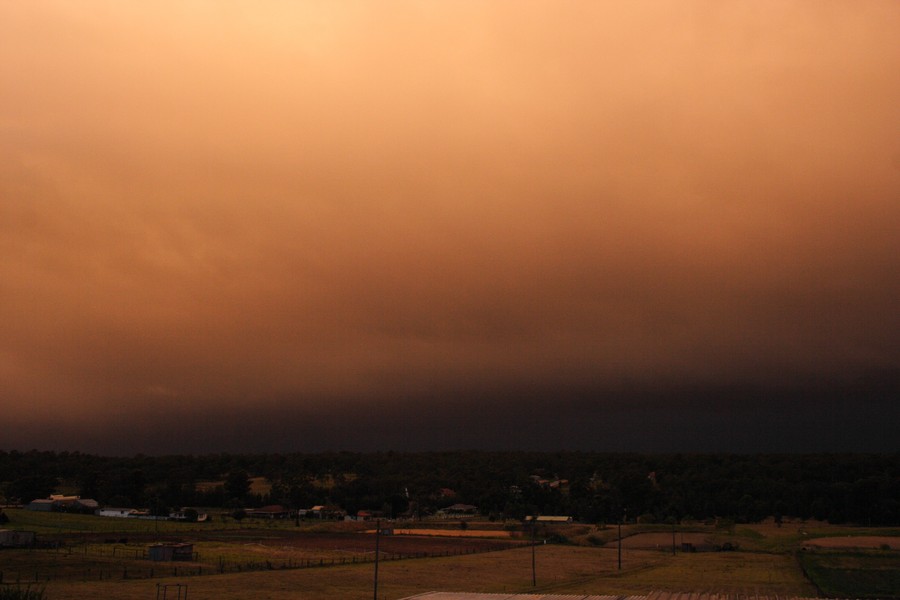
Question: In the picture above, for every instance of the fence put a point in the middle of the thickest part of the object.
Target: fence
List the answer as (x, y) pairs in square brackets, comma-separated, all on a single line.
[(156, 570)]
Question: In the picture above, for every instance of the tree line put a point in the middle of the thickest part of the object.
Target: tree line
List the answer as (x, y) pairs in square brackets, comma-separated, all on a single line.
[(591, 487)]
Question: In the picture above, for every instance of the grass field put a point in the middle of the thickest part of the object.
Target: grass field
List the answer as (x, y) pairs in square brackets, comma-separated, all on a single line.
[(862, 574), (769, 561), (560, 570)]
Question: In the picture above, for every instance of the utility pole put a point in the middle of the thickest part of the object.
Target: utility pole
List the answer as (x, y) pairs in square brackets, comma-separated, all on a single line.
[(533, 571), (673, 536), (377, 540), (624, 517)]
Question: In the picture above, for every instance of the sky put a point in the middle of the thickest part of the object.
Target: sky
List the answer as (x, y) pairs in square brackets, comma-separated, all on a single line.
[(260, 226)]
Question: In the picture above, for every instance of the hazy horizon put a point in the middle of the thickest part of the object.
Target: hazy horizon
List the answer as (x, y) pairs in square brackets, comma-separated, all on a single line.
[(650, 226)]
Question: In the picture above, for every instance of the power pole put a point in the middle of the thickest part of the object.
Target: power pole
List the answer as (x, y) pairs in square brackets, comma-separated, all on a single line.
[(533, 571), (673, 537), (620, 544), (377, 540), (624, 518)]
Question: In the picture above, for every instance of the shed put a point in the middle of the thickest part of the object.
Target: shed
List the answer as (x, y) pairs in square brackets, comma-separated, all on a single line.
[(41, 504), (169, 552), (115, 512), (549, 519)]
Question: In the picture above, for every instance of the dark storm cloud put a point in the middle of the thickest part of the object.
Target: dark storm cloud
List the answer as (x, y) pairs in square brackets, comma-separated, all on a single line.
[(305, 212)]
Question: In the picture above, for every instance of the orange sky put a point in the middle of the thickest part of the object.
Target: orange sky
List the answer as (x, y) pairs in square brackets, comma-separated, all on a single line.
[(338, 206)]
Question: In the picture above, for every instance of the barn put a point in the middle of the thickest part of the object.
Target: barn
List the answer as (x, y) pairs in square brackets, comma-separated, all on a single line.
[(41, 505)]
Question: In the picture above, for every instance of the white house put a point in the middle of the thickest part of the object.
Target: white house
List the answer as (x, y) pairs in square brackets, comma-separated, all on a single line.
[(115, 512)]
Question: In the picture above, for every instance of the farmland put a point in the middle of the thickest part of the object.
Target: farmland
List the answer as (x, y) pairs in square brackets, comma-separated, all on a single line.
[(335, 560)]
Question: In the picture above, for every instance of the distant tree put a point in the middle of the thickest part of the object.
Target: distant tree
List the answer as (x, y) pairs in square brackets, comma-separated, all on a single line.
[(136, 484), (158, 508), (118, 501), (239, 515), (88, 484), (31, 487), (237, 485)]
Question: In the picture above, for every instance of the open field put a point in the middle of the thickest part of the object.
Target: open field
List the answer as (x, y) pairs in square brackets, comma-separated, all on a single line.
[(222, 551), (560, 570), (857, 541), (467, 533), (320, 561), (872, 574)]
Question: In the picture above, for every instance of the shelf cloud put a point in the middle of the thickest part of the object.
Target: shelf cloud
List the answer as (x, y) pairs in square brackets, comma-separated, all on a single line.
[(396, 224)]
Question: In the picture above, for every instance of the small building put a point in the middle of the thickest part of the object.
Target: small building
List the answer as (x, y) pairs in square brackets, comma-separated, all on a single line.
[(16, 539), (549, 519), (170, 552), (75, 504), (60, 503), (110, 511), (188, 514), (41, 505)]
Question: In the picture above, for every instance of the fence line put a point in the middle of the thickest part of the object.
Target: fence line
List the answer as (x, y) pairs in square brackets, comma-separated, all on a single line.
[(163, 569)]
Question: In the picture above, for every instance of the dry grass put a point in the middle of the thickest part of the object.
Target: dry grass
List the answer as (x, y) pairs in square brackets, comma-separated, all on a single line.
[(463, 533), (560, 569), (765, 566)]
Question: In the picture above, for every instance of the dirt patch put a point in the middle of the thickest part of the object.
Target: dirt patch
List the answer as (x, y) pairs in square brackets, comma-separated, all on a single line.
[(661, 541), (360, 542), (856, 541), (457, 533)]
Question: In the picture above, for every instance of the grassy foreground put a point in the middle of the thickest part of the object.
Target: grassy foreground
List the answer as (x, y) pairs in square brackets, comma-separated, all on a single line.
[(560, 570), (769, 561)]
